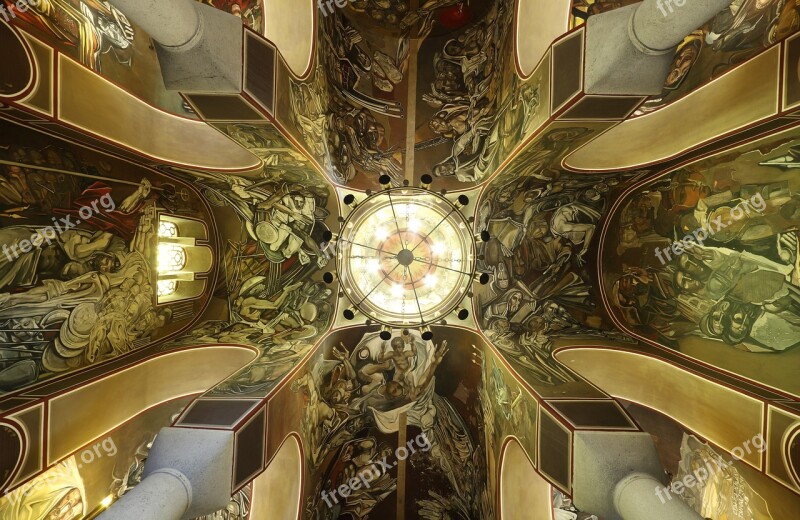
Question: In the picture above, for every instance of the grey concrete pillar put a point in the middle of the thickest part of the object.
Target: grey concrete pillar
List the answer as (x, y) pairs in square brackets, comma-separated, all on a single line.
[(172, 23), (188, 474), (199, 47), (163, 495), (629, 50), (636, 497), (660, 25)]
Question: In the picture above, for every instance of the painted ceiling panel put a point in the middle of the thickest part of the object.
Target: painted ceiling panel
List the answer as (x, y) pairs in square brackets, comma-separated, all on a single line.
[(82, 293)]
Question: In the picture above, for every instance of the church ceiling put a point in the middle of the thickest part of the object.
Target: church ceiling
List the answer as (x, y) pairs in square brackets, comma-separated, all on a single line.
[(401, 89)]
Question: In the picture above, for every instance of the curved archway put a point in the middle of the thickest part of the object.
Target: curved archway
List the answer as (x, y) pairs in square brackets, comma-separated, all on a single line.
[(291, 25), (537, 24), (282, 482), (17, 73), (524, 494)]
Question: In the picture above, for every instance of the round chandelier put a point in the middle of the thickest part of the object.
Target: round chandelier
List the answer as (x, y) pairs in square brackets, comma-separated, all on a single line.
[(405, 257)]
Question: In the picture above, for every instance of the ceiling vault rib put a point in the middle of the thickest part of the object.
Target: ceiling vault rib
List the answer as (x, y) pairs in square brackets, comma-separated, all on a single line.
[(411, 121), (432, 230), (396, 222)]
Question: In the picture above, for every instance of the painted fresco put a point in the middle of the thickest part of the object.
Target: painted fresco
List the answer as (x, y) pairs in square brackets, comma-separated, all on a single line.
[(271, 265), (59, 493), (508, 410), (282, 161), (543, 223), (100, 37), (78, 235), (471, 109), (708, 254), (734, 36), (347, 113), (726, 493), (358, 390), (463, 90), (400, 14), (94, 32)]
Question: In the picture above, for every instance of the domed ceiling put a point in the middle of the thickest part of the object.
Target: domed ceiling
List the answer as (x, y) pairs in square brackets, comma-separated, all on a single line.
[(415, 234)]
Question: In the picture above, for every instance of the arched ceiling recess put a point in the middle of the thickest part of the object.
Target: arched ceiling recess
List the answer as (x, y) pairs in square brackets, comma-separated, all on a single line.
[(690, 121)]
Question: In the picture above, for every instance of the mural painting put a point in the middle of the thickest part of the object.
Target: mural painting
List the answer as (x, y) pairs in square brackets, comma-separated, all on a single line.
[(78, 233), (96, 32), (708, 254), (362, 393), (282, 161), (346, 113), (271, 265), (59, 494), (463, 95), (351, 114), (726, 494), (542, 224), (508, 410)]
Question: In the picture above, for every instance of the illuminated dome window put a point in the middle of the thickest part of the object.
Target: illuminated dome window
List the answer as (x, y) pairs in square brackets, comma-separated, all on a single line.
[(171, 258), (406, 257), (167, 229), (183, 255), (167, 287)]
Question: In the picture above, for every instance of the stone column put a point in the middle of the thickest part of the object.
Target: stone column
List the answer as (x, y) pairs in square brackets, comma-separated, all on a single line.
[(188, 474), (173, 23), (163, 495), (629, 50), (199, 47), (636, 497)]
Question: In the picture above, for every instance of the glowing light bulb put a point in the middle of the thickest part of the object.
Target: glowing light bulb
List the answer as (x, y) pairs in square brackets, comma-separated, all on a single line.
[(414, 225), (397, 290), (430, 280), (438, 248), (381, 234)]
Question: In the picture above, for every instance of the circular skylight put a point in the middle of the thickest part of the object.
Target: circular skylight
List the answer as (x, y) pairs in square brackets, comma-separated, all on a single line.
[(406, 257)]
